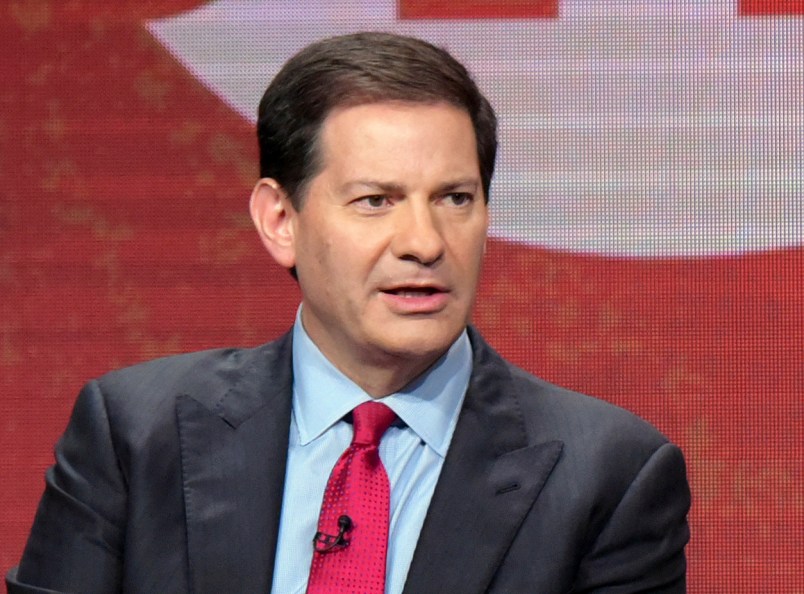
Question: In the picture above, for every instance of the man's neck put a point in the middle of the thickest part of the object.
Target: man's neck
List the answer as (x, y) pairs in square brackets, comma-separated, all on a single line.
[(376, 372), (380, 380)]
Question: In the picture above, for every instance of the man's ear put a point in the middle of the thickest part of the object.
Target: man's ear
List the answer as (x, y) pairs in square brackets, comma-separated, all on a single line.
[(273, 214)]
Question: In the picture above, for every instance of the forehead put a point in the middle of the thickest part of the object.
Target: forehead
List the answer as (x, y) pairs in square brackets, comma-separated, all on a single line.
[(398, 133)]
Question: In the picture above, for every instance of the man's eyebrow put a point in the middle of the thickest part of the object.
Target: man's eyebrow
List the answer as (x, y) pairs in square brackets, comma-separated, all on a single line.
[(468, 184), (373, 185)]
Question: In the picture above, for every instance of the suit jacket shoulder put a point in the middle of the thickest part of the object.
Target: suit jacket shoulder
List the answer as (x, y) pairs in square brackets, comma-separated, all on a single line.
[(210, 377), (547, 490), (596, 434), (168, 478)]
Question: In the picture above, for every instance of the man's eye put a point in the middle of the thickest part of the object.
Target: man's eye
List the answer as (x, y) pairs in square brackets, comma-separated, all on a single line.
[(374, 201), (459, 198)]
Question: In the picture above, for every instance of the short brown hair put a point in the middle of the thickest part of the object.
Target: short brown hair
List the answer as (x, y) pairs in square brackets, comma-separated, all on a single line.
[(352, 70)]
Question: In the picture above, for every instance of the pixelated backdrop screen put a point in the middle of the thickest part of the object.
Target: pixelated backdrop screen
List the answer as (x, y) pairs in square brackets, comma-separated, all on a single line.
[(647, 234)]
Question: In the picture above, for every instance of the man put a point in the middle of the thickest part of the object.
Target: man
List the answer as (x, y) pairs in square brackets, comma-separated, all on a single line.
[(207, 472)]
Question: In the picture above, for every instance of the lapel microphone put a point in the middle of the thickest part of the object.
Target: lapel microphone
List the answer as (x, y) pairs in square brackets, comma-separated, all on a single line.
[(327, 543)]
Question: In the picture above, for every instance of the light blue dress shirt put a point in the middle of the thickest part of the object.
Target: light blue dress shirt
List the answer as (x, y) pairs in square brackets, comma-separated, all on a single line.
[(413, 454)]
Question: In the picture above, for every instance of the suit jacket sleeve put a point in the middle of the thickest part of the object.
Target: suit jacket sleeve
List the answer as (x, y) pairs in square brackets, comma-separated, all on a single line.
[(641, 546), (76, 541)]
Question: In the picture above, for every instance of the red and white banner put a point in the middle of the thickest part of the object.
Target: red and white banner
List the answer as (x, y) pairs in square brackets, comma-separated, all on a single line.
[(629, 129)]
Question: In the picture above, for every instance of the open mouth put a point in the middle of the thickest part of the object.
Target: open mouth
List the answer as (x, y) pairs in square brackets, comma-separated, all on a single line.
[(413, 291), (416, 299)]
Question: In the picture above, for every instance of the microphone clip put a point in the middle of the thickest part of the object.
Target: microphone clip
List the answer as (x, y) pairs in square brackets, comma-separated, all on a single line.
[(327, 543)]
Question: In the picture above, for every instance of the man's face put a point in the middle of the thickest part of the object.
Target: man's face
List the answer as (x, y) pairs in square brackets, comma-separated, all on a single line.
[(389, 241)]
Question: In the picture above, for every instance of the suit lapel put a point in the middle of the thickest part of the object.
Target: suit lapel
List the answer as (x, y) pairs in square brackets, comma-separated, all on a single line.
[(490, 479), (234, 436)]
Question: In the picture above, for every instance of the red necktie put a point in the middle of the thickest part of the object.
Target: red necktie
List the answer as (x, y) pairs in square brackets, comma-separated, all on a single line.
[(352, 538)]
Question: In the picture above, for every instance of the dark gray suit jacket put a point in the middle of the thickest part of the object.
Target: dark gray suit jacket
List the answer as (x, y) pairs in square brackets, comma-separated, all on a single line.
[(169, 479)]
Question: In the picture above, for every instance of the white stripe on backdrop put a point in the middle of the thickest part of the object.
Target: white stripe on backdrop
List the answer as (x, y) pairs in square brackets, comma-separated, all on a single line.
[(629, 128)]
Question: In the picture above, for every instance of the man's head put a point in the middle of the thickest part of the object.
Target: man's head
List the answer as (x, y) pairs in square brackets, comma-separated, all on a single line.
[(377, 153), (352, 70)]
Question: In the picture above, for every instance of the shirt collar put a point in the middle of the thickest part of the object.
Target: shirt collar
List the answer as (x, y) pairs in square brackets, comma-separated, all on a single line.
[(429, 405)]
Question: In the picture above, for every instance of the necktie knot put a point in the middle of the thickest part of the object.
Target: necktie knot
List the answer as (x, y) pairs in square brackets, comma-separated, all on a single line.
[(371, 420)]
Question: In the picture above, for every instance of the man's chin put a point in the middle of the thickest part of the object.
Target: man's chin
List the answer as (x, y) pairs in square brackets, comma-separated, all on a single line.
[(426, 342)]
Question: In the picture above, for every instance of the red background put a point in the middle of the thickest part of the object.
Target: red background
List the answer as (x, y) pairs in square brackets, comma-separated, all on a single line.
[(124, 235)]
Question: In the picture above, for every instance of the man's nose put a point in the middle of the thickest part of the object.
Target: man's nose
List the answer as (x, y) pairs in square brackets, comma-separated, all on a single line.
[(417, 235)]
